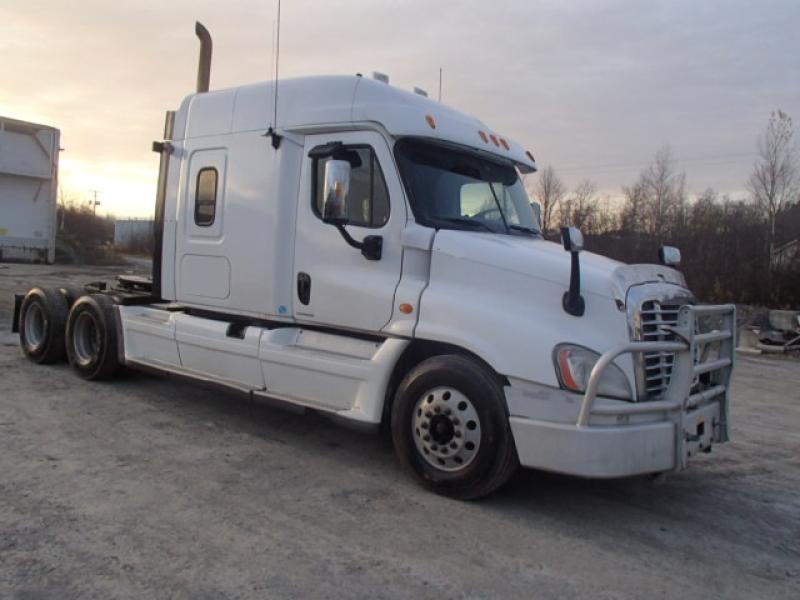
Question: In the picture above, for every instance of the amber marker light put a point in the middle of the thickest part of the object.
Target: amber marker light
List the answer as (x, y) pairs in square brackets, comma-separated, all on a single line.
[(494, 140), (431, 121), (484, 137), (504, 144), (566, 370), (406, 309)]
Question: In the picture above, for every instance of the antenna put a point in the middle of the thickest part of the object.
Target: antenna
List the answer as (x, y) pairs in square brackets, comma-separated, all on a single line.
[(440, 84), (273, 129)]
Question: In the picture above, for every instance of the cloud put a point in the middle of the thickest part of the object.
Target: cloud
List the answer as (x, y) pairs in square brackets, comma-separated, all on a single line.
[(593, 88)]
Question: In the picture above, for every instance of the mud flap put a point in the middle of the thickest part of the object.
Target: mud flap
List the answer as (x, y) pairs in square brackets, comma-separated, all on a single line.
[(18, 298)]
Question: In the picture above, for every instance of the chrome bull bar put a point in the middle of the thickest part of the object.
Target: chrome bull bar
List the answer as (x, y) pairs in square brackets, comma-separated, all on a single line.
[(685, 391)]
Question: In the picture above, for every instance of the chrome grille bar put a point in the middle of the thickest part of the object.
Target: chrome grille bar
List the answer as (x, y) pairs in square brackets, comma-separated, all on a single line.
[(655, 317)]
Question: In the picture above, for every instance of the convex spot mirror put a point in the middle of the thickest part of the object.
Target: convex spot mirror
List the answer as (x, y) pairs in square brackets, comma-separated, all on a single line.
[(572, 238), (337, 186), (669, 255)]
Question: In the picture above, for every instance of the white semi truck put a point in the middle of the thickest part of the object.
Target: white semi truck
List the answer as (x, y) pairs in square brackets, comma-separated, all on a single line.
[(372, 255)]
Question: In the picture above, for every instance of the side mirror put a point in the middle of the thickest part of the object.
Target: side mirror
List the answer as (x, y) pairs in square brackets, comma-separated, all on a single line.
[(334, 207), (337, 185), (572, 238), (572, 301), (669, 256)]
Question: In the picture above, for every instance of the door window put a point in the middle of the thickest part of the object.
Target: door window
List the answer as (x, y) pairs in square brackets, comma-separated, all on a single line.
[(368, 198), (205, 202)]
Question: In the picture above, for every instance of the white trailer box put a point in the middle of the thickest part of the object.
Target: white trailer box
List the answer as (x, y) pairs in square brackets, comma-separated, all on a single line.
[(28, 183)]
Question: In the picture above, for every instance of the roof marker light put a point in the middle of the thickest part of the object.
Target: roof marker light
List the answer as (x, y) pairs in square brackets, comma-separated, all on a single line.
[(504, 143), (431, 121), (484, 137), (382, 77), (494, 139), (420, 91), (528, 152)]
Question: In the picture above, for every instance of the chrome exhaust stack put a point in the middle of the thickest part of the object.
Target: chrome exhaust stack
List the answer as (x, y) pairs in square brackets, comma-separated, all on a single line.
[(204, 63)]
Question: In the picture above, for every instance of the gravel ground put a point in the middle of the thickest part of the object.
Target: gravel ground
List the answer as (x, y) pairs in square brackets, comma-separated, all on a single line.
[(151, 488)]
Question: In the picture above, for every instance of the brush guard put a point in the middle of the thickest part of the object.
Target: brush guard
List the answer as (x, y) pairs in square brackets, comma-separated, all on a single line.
[(697, 398)]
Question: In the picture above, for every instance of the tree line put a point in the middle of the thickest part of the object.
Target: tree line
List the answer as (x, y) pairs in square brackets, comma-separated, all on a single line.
[(733, 250)]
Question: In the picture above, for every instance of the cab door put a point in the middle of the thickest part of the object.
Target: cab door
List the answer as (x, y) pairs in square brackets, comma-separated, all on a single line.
[(335, 285)]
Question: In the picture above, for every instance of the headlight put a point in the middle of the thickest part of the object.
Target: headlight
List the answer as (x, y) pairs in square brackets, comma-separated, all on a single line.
[(574, 364)]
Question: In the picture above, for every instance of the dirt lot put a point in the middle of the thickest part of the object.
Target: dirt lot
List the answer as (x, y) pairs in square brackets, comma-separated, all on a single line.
[(151, 488)]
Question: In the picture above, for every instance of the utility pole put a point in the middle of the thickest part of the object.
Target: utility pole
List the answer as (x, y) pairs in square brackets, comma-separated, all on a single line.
[(95, 202)]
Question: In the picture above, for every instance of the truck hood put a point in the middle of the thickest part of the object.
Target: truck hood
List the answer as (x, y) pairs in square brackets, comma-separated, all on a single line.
[(540, 259)]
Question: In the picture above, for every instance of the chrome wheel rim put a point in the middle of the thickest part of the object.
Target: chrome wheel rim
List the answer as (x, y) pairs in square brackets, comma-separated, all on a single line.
[(86, 338), (446, 429), (35, 325)]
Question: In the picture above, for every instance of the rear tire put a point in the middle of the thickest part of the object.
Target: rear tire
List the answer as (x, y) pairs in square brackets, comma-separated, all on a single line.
[(450, 427), (92, 337), (42, 320), (72, 293)]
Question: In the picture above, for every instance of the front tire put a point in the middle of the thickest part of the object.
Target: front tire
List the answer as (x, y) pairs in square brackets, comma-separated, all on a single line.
[(92, 337), (42, 319), (450, 427)]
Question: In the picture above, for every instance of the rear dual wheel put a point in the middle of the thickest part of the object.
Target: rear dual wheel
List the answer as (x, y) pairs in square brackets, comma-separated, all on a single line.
[(91, 337), (42, 319), (450, 427)]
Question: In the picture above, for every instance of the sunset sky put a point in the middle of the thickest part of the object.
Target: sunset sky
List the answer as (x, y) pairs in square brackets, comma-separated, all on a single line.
[(593, 88)]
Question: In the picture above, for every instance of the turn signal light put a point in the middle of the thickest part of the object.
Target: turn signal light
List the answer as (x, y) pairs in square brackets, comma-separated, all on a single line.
[(406, 309)]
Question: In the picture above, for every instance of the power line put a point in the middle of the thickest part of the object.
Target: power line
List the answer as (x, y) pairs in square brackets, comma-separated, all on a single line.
[(719, 159)]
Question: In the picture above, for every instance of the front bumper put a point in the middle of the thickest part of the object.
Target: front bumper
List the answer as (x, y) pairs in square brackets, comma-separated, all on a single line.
[(619, 439)]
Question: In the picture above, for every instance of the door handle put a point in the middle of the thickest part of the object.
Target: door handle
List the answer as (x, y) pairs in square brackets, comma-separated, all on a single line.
[(304, 288)]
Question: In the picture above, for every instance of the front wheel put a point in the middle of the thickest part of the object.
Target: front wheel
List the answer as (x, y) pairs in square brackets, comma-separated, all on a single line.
[(450, 427)]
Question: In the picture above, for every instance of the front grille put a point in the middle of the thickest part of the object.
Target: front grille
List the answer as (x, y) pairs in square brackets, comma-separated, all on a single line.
[(656, 367)]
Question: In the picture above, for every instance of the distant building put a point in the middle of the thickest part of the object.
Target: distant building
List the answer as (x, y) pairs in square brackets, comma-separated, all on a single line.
[(133, 233), (786, 255)]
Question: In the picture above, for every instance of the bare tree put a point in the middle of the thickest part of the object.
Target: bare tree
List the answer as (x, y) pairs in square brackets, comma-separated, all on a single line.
[(775, 181), (656, 203), (582, 205), (548, 191)]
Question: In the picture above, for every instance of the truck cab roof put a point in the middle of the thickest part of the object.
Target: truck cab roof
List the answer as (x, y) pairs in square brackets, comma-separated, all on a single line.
[(324, 103)]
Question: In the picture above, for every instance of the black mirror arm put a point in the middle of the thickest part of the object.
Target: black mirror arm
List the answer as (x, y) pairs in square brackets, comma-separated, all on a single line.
[(372, 246), (572, 301)]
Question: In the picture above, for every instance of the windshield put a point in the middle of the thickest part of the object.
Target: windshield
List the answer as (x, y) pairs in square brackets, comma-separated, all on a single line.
[(458, 189)]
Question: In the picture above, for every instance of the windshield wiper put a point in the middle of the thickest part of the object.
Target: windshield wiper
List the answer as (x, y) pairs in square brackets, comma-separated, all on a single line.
[(524, 229), (468, 222)]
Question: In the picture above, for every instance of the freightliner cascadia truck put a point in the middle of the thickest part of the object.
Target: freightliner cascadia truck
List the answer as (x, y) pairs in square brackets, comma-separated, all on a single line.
[(371, 254)]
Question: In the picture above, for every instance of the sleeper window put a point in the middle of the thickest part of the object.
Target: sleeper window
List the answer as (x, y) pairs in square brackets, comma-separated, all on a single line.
[(205, 202), (368, 197)]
